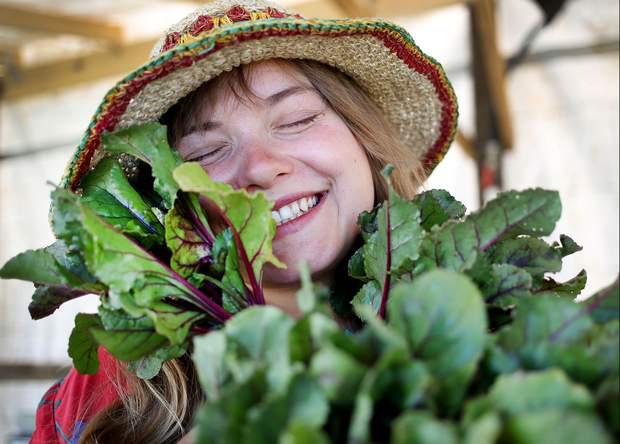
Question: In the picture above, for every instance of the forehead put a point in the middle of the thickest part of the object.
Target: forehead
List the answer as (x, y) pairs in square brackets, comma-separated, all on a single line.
[(253, 83)]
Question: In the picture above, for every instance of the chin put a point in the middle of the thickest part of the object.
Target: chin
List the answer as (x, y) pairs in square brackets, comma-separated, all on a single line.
[(277, 277)]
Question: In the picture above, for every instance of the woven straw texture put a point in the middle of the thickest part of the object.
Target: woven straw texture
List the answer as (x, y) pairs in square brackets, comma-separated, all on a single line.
[(409, 86)]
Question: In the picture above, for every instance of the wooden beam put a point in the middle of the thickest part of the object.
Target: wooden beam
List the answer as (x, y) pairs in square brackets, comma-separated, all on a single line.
[(45, 78), (37, 19), (31, 372), (391, 8)]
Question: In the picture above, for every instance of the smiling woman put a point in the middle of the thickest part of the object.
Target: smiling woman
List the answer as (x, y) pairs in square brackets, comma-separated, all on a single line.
[(308, 112)]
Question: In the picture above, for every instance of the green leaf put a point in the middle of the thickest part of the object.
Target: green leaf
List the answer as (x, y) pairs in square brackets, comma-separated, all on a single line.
[(301, 433), (303, 402), (222, 421), (145, 281), (47, 298), (149, 366), (262, 334), (149, 143), (442, 317), (368, 296), (484, 430), (108, 192), (455, 245), (367, 221), (306, 296), (83, 346), (604, 306), (209, 358), (188, 236), (538, 391), (355, 266), (531, 254), (338, 374), (505, 285), (437, 207), (128, 345), (58, 275), (572, 287), (394, 246), (608, 402), (555, 426), (568, 246), (249, 214), (422, 428)]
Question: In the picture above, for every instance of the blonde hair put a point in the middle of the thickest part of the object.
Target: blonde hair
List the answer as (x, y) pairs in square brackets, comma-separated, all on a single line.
[(159, 411)]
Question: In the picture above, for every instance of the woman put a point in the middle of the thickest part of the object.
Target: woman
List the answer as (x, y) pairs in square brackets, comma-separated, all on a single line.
[(306, 111)]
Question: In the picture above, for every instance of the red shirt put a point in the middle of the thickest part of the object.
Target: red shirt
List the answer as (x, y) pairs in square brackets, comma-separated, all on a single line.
[(69, 404)]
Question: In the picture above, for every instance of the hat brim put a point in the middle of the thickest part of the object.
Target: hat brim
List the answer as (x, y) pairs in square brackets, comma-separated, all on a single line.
[(409, 86)]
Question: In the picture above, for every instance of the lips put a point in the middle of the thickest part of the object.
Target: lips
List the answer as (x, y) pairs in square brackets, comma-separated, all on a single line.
[(295, 224)]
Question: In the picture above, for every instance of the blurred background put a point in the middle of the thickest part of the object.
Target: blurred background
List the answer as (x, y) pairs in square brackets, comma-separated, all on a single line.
[(537, 83)]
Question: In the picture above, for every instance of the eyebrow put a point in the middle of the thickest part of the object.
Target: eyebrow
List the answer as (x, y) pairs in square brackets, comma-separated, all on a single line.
[(271, 100)]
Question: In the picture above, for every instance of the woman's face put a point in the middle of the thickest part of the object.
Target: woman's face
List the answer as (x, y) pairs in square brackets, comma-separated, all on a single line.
[(292, 146)]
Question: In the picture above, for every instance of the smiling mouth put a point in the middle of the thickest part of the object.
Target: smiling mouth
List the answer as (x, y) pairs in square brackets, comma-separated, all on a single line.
[(296, 209)]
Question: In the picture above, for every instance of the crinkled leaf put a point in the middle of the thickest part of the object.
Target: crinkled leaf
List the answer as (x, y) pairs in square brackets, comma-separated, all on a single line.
[(572, 287), (604, 306), (568, 246), (249, 214), (146, 278), (82, 344), (188, 236), (47, 298), (531, 254), (437, 207), (58, 275), (149, 143), (369, 295), (422, 428), (395, 243), (107, 191), (455, 245), (367, 221), (355, 266), (442, 317), (505, 285)]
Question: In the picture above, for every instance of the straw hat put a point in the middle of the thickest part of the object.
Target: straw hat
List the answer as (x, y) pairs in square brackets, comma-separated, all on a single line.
[(410, 87)]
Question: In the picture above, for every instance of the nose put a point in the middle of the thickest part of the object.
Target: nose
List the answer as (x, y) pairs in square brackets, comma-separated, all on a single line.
[(263, 165)]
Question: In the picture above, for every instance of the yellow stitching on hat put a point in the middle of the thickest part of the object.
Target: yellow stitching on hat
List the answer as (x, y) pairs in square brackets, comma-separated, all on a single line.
[(258, 15), (224, 20)]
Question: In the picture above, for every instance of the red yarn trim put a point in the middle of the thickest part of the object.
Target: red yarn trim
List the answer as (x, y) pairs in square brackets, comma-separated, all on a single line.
[(112, 114)]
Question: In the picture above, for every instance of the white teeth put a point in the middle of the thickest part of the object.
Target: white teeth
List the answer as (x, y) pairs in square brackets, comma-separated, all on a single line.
[(294, 209), (286, 212)]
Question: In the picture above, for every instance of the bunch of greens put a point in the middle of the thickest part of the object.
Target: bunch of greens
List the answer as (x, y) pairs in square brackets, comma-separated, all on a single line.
[(465, 337), (466, 340), (150, 250)]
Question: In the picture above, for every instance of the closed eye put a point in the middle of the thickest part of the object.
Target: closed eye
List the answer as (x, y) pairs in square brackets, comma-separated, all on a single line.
[(206, 156), (302, 122)]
